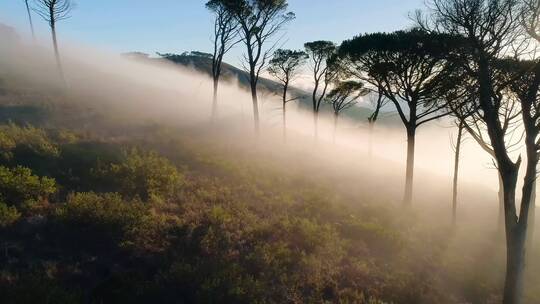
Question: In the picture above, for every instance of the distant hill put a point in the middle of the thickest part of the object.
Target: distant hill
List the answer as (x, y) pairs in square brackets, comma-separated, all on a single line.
[(202, 62), (8, 34)]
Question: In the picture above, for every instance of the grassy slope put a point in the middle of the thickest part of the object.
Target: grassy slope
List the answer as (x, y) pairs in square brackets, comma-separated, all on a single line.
[(244, 225)]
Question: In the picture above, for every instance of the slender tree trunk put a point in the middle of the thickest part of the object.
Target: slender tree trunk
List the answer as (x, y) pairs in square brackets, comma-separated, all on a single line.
[(336, 117), (371, 127), (515, 265), (500, 222), (56, 52), (284, 100), (30, 20), (516, 235), (316, 124), (532, 218), (517, 226), (409, 173), (215, 99), (515, 240), (255, 101), (315, 110), (372, 120), (285, 122), (314, 95), (456, 173)]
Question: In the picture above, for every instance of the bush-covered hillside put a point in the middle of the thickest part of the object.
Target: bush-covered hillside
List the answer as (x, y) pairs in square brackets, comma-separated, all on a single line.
[(96, 212)]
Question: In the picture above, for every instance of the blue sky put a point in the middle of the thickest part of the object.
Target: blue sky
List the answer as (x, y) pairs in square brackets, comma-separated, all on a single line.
[(181, 25)]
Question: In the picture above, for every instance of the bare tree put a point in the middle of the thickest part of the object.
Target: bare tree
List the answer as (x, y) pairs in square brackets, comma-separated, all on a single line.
[(30, 19), (343, 97), (530, 18), (54, 11), (259, 21), (284, 66), (225, 37), (507, 93), (324, 73)]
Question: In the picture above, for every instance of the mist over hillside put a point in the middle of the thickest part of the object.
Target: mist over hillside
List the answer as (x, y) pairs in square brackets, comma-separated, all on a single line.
[(380, 168), (202, 62), (192, 197)]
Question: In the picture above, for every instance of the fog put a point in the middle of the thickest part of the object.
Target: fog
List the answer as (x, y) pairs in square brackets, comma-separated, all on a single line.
[(129, 92), (157, 91)]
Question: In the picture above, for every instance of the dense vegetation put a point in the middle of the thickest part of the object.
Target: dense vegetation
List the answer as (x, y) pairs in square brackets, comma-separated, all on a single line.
[(157, 216)]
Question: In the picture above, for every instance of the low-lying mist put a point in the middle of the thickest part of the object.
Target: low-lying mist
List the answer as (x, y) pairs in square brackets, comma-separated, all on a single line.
[(127, 92), (155, 91), (159, 91)]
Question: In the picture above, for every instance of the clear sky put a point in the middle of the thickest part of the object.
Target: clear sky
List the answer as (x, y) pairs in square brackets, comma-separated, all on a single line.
[(182, 25)]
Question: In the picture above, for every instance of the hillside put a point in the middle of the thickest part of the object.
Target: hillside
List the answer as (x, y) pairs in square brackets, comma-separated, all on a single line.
[(95, 210), (118, 189), (202, 63)]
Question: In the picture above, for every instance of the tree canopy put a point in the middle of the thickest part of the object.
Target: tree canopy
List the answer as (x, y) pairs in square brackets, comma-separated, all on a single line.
[(285, 63), (410, 67)]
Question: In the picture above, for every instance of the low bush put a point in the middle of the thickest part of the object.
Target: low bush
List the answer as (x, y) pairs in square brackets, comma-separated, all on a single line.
[(24, 190), (145, 175)]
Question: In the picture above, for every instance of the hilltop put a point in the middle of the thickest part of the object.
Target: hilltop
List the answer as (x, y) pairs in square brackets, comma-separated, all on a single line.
[(202, 62)]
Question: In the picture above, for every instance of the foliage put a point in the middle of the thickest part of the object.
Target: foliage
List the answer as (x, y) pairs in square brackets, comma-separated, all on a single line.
[(175, 57), (8, 215), (258, 22), (345, 94), (31, 138), (400, 61), (285, 63), (284, 66), (247, 9), (103, 221), (227, 230), (145, 175), (408, 65), (320, 50), (23, 190), (324, 68)]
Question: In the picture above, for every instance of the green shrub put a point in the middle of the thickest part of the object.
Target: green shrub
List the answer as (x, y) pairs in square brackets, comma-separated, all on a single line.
[(84, 166), (146, 175), (64, 136), (8, 215), (100, 221), (7, 143), (20, 188), (34, 139)]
